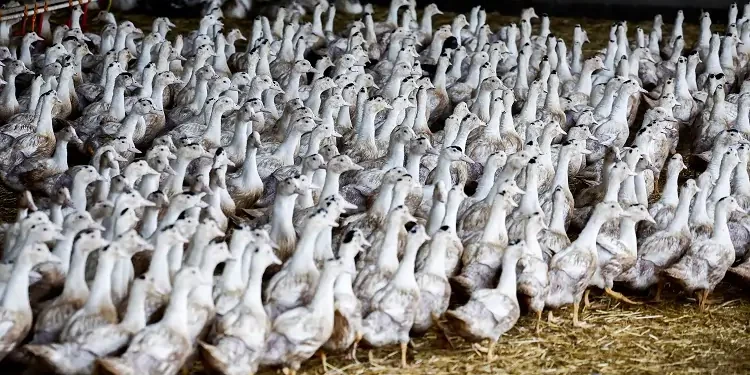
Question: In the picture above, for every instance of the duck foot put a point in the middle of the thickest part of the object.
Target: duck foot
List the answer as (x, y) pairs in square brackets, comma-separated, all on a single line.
[(704, 301), (618, 296), (539, 321), (443, 333), (552, 319), (578, 323), (288, 371)]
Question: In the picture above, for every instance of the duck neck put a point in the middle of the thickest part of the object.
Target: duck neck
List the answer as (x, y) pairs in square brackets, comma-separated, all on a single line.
[(16, 297), (723, 184), (117, 108), (60, 157), (404, 275), (391, 121), (436, 47), (627, 234), (101, 289), (484, 185), (366, 131), (159, 267), (75, 280), (388, 259), (561, 172), (528, 112), (613, 190), (201, 93), (444, 171), (713, 62), (239, 139), (721, 229), (670, 195), (252, 297), (587, 238), (78, 194), (150, 217), (743, 116), (451, 213), (304, 254), (8, 96), (584, 84), (382, 203), (413, 163), (213, 132), (508, 280), (682, 214), (557, 221), (144, 58), (396, 155), (135, 314), (620, 106), (495, 229), (283, 210), (435, 219), (44, 119), (530, 200), (288, 148), (522, 80), (250, 175), (439, 81), (157, 94), (232, 274), (176, 314)]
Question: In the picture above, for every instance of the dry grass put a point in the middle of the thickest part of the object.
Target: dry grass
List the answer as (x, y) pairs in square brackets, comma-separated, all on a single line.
[(667, 338)]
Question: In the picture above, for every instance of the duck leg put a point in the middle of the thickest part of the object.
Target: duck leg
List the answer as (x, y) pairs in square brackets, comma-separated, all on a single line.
[(586, 302), (491, 351), (620, 297), (442, 330), (659, 289), (323, 360), (357, 339), (539, 321), (577, 323), (404, 348)]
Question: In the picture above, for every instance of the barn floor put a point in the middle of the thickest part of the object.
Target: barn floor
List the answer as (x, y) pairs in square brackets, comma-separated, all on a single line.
[(671, 337)]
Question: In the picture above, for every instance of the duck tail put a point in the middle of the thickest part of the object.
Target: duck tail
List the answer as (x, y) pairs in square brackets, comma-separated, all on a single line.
[(63, 358), (559, 293), (678, 272), (456, 322), (212, 357), (641, 276), (114, 366)]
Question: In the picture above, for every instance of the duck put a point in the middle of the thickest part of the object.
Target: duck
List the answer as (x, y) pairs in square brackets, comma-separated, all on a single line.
[(706, 261), (393, 308), (15, 311), (572, 268), (663, 248), (490, 312), (664, 209), (171, 333), (81, 355), (295, 283), (52, 318), (298, 333), (617, 255), (434, 288), (239, 335)]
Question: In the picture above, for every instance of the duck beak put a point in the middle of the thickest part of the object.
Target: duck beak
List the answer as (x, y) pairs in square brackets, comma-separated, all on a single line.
[(650, 219), (134, 150), (170, 171), (356, 167), (96, 226), (336, 134), (467, 159), (275, 259), (586, 152), (52, 258), (230, 163), (432, 151)]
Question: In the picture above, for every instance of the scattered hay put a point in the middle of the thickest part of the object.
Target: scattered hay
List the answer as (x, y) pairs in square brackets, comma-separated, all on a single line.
[(667, 338)]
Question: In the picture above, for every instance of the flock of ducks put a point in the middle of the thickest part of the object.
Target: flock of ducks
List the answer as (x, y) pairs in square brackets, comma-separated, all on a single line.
[(317, 190)]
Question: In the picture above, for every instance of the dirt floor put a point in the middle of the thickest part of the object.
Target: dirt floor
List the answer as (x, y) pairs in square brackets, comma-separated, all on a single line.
[(671, 337)]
